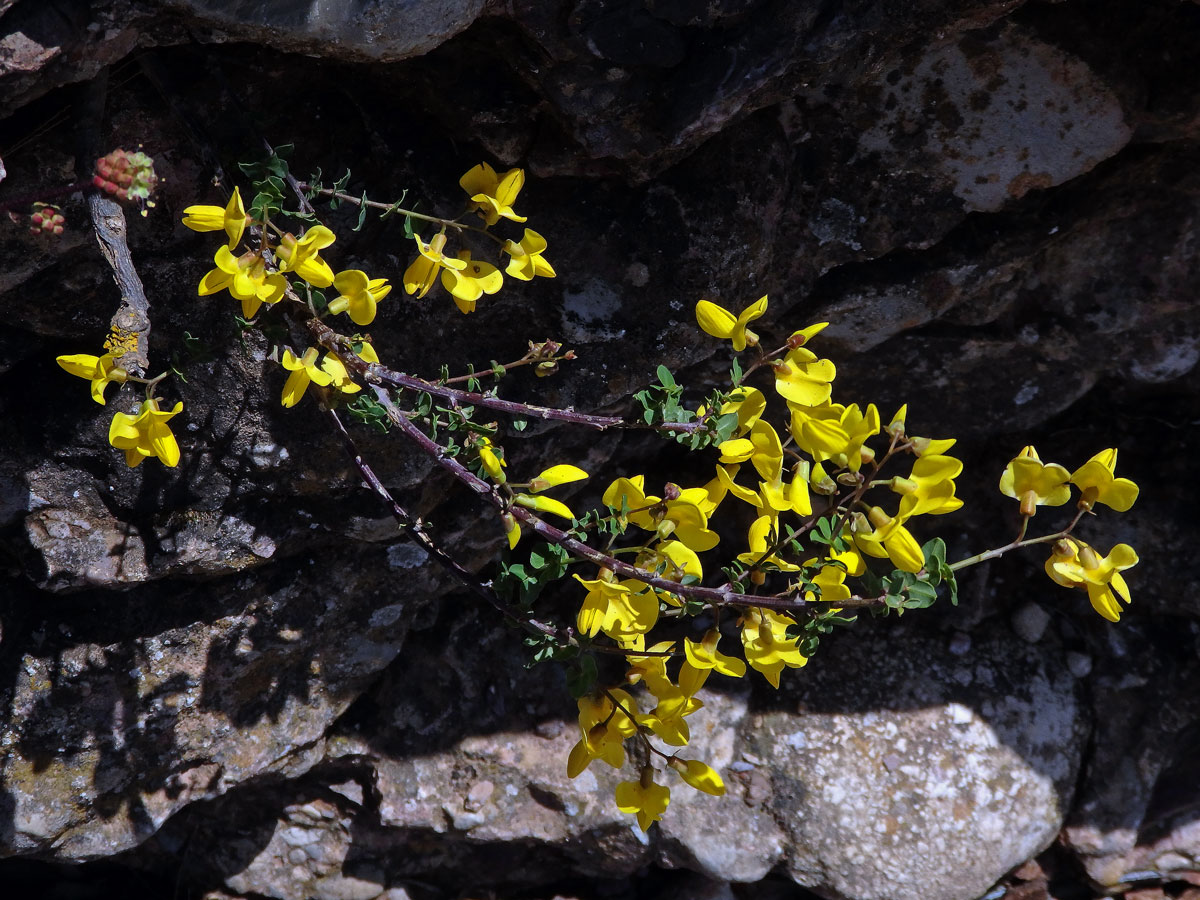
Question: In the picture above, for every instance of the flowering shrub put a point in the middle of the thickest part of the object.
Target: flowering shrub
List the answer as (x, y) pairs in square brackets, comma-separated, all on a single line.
[(673, 587)]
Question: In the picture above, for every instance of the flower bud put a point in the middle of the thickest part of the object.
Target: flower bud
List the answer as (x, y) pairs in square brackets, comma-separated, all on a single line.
[(1029, 501), (671, 491), (758, 577), (878, 517), (542, 369), (850, 479), (1088, 558)]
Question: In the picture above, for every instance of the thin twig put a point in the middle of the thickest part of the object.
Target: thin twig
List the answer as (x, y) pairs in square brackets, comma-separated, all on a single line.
[(719, 596), (415, 529), (376, 374)]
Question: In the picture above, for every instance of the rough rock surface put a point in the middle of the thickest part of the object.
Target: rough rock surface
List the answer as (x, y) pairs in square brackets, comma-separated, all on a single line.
[(860, 781), (993, 202)]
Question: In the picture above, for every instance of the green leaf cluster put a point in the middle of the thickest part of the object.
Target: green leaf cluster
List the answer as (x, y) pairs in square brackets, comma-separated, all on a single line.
[(903, 591), (521, 583)]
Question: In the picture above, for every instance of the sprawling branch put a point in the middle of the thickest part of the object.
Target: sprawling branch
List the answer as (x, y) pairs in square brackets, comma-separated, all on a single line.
[(376, 374), (724, 595)]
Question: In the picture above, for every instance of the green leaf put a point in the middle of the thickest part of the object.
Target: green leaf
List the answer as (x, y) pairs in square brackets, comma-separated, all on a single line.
[(667, 379), (362, 213)]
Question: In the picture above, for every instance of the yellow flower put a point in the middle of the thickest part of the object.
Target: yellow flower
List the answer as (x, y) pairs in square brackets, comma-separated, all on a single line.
[(1034, 483), (644, 797), (699, 775), (304, 370), (766, 644), (473, 279), (145, 434), (492, 462), (246, 278), (604, 727), (929, 489), (527, 260), (357, 295), (681, 518), (721, 323), (232, 219), (544, 504), (493, 195), (421, 274), (760, 529), (556, 475), (705, 655), (99, 370), (1074, 564), (337, 371), (889, 539), (302, 255), (762, 449), (803, 379), (618, 609), (1095, 478)]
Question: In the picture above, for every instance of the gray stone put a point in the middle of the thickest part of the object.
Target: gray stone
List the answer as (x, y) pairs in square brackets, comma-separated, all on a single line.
[(884, 768)]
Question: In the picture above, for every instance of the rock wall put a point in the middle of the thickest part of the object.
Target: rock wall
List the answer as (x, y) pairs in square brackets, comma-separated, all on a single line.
[(236, 677)]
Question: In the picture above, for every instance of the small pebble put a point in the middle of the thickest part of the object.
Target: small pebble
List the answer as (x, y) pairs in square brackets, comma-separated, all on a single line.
[(1079, 664), (1029, 622)]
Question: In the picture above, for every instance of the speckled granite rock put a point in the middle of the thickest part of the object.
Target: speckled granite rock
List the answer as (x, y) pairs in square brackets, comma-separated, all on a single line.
[(836, 158)]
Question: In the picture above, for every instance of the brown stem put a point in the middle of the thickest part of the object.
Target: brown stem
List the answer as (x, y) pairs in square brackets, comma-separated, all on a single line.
[(415, 529), (721, 596), (376, 374)]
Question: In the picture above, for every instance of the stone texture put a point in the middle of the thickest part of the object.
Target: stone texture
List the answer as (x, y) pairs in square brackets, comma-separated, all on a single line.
[(860, 779), (884, 768), (993, 202), (346, 29), (999, 113), (106, 738), (1137, 812)]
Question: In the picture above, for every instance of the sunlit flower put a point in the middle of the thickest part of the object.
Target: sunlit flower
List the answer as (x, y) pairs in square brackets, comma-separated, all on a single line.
[(721, 323), (493, 195), (231, 219), (1035, 483), (929, 489), (468, 283), (647, 799), (247, 279), (1097, 481), (527, 260), (146, 434), (701, 776), (804, 379), (705, 655), (422, 273), (889, 539), (99, 370), (1074, 564), (302, 255), (304, 371), (337, 371), (357, 295)]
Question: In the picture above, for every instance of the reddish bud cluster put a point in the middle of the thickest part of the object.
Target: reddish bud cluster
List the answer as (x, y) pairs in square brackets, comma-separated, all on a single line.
[(126, 175), (46, 219)]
